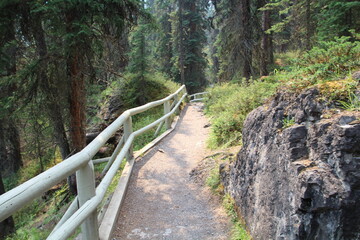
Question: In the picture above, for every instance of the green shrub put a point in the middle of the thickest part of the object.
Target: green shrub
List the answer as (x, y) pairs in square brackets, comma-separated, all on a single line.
[(228, 106), (238, 231), (288, 122), (29, 234), (352, 104), (328, 61), (153, 87), (213, 180)]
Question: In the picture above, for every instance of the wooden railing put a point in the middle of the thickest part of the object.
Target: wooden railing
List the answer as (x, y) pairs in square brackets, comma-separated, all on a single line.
[(197, 97), (83, 210)]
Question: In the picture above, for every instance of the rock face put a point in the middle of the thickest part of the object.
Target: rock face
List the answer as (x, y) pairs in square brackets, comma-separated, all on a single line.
[(302, 181)]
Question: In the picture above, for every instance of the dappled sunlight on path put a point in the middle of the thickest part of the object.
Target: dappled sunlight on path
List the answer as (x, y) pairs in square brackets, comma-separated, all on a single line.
[(162, 201)]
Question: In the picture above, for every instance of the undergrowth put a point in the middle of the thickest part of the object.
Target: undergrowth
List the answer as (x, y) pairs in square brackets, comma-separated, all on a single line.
[(238, 230), (35, 220), (143, 119), (327, 67), (228, 105)]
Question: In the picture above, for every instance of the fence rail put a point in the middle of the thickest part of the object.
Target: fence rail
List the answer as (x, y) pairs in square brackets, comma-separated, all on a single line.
[(197, 97), (83, 211)]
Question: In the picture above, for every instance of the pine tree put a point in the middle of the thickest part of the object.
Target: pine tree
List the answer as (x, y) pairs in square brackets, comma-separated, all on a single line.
[(189, 37)]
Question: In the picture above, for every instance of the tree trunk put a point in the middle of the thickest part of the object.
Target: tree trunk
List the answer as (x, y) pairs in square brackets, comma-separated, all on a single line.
[(53, 106), (7, 226), (308, 24), (181, 42), (265, 43), (77, 99), (10, 131), (14, 146), (247, 41)]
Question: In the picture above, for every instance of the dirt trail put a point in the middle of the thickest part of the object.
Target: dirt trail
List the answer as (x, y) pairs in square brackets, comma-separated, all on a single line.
[(162, 201)]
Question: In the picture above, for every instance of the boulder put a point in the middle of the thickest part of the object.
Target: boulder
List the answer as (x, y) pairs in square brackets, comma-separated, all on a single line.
[(299, 182)]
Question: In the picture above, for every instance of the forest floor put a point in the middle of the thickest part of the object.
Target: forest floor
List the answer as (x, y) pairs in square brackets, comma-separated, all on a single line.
[(163, 201)]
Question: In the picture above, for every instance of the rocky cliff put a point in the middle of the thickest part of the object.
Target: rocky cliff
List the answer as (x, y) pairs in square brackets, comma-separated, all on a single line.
[(300, 181)]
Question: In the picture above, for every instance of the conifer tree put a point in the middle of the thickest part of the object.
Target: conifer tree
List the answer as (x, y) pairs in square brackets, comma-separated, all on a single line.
[(189, 39)]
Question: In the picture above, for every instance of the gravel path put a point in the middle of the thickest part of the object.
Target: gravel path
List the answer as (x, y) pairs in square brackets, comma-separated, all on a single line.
[(162, 201)]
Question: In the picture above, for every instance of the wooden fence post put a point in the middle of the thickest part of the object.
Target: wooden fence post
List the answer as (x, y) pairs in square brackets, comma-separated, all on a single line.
[(127, 132), (166, 111), (85, 179), (176, 100)]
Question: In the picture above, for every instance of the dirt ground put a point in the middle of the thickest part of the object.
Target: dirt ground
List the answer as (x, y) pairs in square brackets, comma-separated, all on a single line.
[(163, 201)]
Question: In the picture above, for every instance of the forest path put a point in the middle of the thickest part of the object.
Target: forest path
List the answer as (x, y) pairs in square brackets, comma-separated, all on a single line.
[(162, 201)]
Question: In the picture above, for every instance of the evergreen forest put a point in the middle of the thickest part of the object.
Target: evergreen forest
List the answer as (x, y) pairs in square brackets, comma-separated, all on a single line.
[(65, 63)]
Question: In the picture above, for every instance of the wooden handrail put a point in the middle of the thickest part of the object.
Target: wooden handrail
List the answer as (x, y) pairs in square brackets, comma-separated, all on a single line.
[(197, 97), (82, 164)]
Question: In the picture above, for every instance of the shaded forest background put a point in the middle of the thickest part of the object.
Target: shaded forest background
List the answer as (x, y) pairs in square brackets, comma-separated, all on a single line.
[(61, 60)]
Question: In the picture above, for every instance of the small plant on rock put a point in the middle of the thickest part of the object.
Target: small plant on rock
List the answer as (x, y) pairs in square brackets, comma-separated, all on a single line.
[(288, 122), (353, 103)]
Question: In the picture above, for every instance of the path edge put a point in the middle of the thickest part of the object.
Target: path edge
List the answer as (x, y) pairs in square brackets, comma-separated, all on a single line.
[(112, 212)]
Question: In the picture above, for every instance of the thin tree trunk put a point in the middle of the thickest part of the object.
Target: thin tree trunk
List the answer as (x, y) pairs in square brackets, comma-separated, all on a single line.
[(14, 146), (265, 43), (7, 226), (246, 34), (308, 24), (53, 106), (181, 42), (11, 134), (77, 99)]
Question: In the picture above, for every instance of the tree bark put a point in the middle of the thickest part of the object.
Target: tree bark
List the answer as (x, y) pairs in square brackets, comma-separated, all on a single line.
[(10, 131), (181, 42), (265, 43), (48, 88), (77, 99), (247, 41), (7, 226), (308, 24)]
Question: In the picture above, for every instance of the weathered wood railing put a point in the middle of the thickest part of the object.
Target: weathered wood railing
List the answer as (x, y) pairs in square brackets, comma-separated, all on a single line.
[(83, 211), (197, 97)]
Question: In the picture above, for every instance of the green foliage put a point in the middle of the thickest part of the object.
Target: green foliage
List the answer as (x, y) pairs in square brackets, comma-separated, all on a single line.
[(336, 18), (189, 39), (143, 119), (228, 105), (353, 103), (155, 86), (213, 180), (288, 122), (238, 230), (326, 66), (29, 234), (331, 59)]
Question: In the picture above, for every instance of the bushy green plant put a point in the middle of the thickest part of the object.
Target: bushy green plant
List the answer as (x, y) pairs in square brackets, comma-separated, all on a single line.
[(213, 180), (352, 104), (328, 61), (228, 106), (288, 122), (29, 234), (156, 86), (238, 230), (144, 119)]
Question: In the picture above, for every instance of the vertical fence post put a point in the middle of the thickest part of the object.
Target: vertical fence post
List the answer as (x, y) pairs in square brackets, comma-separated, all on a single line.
[(127, 132), (176, 100), (85, 179), (166, 111)]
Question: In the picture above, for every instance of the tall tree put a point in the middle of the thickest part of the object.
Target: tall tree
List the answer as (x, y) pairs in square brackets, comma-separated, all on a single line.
[(47, 85), (164, 51), (246, 38), (266, 51), (189, 36)]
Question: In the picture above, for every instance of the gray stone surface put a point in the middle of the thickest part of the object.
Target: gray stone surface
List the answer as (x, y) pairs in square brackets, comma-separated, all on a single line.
[(301, 182)]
